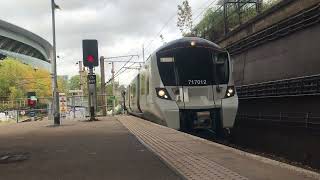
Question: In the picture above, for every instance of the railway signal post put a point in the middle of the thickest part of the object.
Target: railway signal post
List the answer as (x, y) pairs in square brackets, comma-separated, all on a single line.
[(91, 60)]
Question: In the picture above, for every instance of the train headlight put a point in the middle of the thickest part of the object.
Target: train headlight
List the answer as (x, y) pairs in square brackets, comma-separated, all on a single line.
[(193, 43), (163, 93), (230, 91)]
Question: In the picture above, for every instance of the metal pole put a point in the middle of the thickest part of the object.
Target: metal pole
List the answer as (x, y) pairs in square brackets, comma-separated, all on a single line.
[(259, 6), (143, 53), (89, 95), (103, 87), (91, 98), (56, 113), (18, 116), (80, 75), (225, 17), (73, 107), (239, 11), (113, 89)]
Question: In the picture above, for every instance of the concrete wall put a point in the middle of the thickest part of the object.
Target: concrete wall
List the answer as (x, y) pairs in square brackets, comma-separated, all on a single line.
[(293, 56)]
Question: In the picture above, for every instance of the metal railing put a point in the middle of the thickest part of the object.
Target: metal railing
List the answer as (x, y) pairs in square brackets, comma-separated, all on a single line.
[(308, 120), (76, 108), (308, 85)]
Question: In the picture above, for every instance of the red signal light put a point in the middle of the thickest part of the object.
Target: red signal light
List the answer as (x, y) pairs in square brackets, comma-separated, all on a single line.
[(90, 53), (90, 58), (31, 103)]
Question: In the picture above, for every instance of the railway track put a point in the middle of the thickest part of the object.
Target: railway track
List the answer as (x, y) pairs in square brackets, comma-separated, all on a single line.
[(231, 142)]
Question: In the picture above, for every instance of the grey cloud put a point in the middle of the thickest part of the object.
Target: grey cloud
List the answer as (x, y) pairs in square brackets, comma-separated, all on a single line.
[(119, 25)]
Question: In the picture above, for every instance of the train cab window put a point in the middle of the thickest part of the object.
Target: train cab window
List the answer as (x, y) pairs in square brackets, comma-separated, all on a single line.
[(194, 66), (221, 67), (166, 68)]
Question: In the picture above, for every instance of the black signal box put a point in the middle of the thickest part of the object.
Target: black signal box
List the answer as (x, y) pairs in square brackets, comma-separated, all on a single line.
[(90, 53)]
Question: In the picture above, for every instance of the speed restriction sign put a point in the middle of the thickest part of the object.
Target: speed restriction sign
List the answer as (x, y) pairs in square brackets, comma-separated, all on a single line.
[(92, 79)]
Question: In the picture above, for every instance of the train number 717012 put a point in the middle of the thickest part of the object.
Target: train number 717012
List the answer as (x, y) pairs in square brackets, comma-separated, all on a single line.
[(197, 82)]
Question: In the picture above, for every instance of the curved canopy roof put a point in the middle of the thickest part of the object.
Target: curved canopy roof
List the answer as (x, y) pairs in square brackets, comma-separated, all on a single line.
[(20, 41)]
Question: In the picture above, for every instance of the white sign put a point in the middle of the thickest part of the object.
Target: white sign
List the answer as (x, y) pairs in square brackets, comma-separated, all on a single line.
[(3, 117), (63, 103), (167, 59)]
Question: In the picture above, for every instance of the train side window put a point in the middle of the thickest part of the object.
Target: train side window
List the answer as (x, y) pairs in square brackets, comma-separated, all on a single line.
[(133, 90), (148, 84), (143, 83), (147, 73)]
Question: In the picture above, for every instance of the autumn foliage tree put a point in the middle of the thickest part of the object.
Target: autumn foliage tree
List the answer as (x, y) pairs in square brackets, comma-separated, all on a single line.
[(17, 79)]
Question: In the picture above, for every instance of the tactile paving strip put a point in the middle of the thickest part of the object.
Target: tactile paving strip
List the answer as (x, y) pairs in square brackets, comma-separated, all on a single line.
[(189, 164)]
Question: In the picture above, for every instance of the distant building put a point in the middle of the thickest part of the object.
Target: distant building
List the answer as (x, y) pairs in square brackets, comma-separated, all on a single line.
[(64, 77)]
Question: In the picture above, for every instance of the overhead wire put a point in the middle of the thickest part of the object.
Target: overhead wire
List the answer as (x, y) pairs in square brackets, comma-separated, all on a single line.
[(206, 7), (162, 28), (124, 65), (174, 15), (116, 74), (124, 70)]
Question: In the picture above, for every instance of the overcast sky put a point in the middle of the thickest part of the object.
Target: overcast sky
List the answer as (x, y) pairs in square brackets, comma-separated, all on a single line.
[(120, 26)]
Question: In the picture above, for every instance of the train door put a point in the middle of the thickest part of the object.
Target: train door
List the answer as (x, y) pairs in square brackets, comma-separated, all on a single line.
[(143, 89), (221, 73), (129, 98), (138, 93), (133, 102)]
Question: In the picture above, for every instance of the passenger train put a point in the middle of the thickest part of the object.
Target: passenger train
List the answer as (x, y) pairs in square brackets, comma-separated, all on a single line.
[(186, 84)]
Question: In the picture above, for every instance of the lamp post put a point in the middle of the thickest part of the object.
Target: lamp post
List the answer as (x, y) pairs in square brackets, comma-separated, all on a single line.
[(56, 114), (80, 74)]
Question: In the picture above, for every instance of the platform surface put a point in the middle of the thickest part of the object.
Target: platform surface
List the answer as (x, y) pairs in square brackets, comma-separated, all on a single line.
[(78, 150), (196, 158)]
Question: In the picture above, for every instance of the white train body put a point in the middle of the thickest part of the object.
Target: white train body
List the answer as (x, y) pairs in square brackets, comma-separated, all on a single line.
[(186, 84)]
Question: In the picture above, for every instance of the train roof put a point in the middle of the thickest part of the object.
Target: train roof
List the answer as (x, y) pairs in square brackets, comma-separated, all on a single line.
[(186, 42)]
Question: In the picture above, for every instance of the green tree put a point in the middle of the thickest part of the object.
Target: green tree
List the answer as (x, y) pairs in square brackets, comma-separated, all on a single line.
[(184, 22), (17, 79), (212, 24), (74, 82), (62, 85)]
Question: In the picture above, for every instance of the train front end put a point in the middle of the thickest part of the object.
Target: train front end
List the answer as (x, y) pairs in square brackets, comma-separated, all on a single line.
[(196, 90)]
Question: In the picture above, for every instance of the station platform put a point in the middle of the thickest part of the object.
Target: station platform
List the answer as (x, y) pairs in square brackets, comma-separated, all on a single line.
[(197, 158), (127, 147), (77, 150)]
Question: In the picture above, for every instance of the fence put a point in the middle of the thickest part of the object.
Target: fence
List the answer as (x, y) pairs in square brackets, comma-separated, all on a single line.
[(306, 120), (76, 108), (308, 85)]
